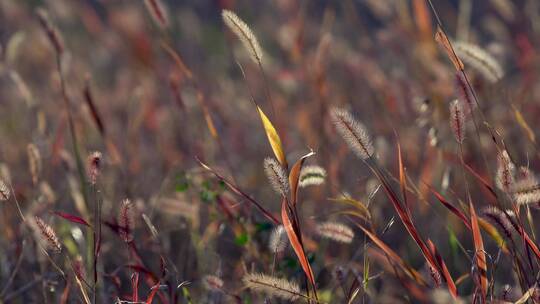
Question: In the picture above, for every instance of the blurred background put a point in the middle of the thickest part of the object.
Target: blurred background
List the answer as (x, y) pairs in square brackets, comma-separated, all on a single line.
[(155, 92)]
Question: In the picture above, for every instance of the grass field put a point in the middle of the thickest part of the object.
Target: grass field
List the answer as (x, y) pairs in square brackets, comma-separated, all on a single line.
[(232, 151)]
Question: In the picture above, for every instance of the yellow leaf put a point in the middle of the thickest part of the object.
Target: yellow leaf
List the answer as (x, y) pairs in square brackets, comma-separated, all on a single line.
[(493, 233), (355, 203), (355, 214), (210, 123), (521, 121), (273, 138)]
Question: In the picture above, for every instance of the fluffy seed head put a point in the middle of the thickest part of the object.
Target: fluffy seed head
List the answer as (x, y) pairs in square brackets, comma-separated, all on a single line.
[(158, 12), (78, 267), (212, 283), (353, 132), (272, 286), (47, 235), (505, 172), (435, 275), (480, 60), (525, 173), (526, 191), (276, 175), (4, 191), (312, 175), (34, 162), (465, 93), (126, 220), (336, 231), (501, 219), (457, 120), (94, 166), (278, 240), (52, 33), (244, 33)]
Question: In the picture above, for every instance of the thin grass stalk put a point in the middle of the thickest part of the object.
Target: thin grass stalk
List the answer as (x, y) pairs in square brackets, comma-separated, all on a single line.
[(165, 44), (469, 86), (267, 90), (202, 102), (252, 96), (16, 202), (521, 232), (2, 293), (237, 190), (14, 271), (71, 125), (77, 280)]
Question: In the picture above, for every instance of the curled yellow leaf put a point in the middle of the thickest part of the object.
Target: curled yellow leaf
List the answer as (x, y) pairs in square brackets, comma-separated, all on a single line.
[(273, 138), (524, 125)]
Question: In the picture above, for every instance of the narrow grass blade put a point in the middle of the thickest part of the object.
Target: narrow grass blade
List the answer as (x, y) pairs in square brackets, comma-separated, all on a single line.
[(450, 207), (236, 190), (152, 294), (72, 218), (88, 97), (407, 221), (444, 42), (295, 242), (493, 233), (413, 274), (402, 179), (480, 254), (481, 179), (363, 211), (524, 125), (446, 274)]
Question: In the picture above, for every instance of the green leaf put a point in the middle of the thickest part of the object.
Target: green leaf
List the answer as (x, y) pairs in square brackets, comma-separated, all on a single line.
[(264, 226), (241, 239), (453, 241), (222, 185), (291, 263), (207, 196), (181, 182), (187, 295)]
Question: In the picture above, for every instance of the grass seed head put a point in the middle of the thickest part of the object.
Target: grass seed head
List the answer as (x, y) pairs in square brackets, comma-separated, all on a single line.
[(272, 286), (312, 175), (126, 220), (212, 283), (501, 219), (480, 60), (278, 240), (94, 166), (47, 235), (159, 13), (276, 175), (457, 120), (353, 132), (526, 189), (336, 231), (4, 191), (506, 171), (52, 32), (244, 33), (34, 162)]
